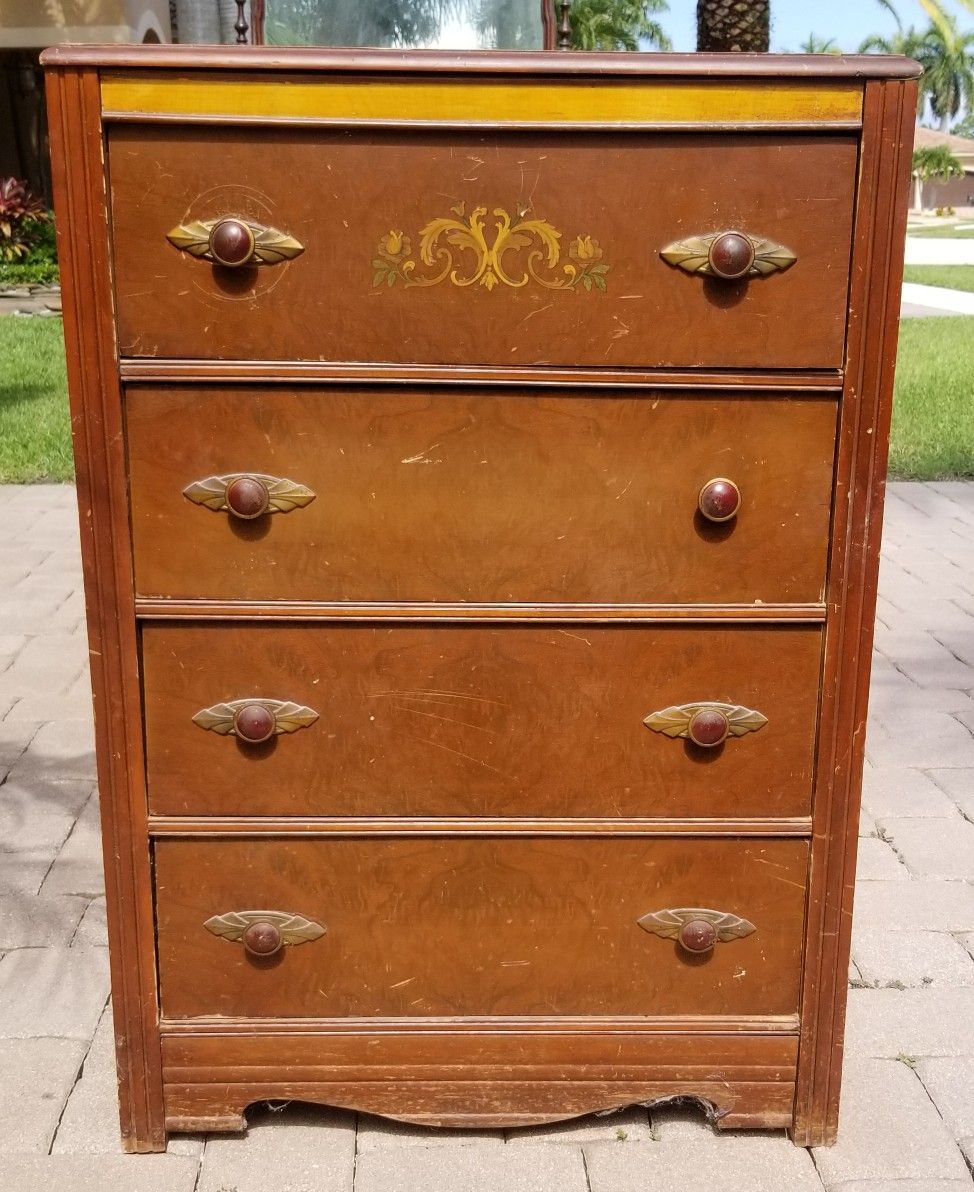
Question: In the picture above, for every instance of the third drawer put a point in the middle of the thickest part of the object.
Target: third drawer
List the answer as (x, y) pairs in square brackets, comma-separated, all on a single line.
[(480, 720)]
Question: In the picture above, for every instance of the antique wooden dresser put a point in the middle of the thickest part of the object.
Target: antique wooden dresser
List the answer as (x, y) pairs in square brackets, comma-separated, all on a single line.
[(480, 464)]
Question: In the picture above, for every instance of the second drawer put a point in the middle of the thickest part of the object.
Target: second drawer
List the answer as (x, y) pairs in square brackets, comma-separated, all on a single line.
[(472, 496), (481, 720)]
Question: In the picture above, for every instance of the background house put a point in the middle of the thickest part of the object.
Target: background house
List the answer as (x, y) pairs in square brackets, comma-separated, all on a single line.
[(959, 192), (26, 28)]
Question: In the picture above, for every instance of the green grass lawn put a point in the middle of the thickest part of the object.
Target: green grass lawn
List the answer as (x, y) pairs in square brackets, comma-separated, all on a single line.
[(954, 277), (933, 410), (943, 232), (35, 429), (933, 415)]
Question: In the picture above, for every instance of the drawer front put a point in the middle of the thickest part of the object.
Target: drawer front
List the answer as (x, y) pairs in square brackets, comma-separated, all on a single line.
[(481, 926), (478, 720), (456, 496), (481, 248)]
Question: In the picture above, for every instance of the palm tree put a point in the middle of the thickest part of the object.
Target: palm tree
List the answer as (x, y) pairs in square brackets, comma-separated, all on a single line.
[(819, 45), (933, 162), (729, 25), (617, 24), (733, 25), (947, 56)]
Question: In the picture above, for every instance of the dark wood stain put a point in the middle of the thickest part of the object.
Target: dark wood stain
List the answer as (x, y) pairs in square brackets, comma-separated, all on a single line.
[(500, 575)]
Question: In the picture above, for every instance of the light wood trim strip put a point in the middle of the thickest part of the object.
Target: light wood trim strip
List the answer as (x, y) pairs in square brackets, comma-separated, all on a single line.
[(323, 826), (151, 609), (480, 101)]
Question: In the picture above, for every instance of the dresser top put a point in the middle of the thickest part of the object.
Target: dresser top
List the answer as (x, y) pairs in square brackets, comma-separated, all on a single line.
[(486, 62)]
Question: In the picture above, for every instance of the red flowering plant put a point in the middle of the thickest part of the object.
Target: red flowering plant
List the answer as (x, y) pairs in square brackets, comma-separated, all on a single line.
[(22, 219)]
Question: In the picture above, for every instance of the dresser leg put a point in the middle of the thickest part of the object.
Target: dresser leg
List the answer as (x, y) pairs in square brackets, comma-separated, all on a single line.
[(817, 1131)]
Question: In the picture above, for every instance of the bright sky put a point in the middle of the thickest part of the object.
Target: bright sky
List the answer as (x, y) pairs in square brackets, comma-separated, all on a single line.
[(848, 21)]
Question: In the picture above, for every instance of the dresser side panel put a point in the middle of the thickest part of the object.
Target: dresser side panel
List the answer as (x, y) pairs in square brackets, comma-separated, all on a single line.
[(83, 247), (877, 270)]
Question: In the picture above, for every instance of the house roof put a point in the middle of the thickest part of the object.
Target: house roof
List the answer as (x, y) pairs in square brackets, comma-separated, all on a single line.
[(930, 138)]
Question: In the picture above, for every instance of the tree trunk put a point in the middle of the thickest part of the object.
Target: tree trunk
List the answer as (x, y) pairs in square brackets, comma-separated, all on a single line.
[(733, 26), (945, 122), (198, 22), (917, 193)]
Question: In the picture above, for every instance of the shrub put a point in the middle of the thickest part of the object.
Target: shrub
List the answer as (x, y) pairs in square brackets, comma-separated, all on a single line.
[(23, 220)]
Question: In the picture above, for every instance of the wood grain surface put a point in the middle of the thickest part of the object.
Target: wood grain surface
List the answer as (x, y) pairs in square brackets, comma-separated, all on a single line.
[(340, 193), (452, 927), (483, 496), (480, 720)]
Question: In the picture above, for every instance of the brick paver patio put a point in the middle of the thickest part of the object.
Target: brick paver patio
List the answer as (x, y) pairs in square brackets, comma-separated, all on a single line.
[(908, 1102)]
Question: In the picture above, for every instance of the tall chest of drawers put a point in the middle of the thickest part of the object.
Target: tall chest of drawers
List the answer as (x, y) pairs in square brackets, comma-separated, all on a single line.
[(480, 466)]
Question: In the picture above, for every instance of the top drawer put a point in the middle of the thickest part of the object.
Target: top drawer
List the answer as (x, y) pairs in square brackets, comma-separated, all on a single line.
[(469, 247)]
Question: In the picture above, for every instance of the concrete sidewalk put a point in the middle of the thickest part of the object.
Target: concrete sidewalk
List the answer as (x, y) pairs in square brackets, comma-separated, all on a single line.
[(908, 1101)]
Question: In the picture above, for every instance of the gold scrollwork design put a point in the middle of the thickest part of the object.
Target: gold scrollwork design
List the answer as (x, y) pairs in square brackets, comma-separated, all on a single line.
[(464, 250)]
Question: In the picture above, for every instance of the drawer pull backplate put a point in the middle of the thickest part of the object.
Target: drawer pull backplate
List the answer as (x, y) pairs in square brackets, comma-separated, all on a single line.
[(706, 724), (282, 495), (718, 254), (696, 929), (266, 246), (224, 718), (289, 928)]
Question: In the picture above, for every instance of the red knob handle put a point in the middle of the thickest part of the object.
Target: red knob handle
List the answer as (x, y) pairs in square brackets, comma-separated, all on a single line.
[(708, 727), (719, 499), (232, 243), (254, 723), (262, 939), (698, 936), (247, 497), (731, 255)]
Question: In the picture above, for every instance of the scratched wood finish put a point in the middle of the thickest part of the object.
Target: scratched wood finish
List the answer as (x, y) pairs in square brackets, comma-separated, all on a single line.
[(340, 192), (483, 496), (520, 926), (480, 720), (473, 1075), (318, 335)]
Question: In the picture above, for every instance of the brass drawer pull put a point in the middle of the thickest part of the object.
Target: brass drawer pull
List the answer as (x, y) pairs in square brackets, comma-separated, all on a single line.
[(719, 500), (264, 933), (705, 724), (255, 720), (729, 255), (248, 495), (695, 929), (234, 243)]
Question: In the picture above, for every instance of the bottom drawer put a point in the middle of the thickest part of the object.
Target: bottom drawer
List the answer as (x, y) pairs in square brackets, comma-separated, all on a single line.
[(478, 926)]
